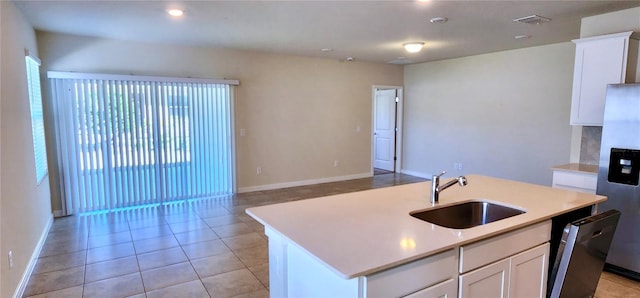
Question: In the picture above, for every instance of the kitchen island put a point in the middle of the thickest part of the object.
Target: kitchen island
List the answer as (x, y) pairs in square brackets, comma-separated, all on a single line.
[(365, 244)]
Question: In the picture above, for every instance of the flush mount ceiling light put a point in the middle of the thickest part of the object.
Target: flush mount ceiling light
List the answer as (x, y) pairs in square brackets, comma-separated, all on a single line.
[(413, 47), (175, 12)]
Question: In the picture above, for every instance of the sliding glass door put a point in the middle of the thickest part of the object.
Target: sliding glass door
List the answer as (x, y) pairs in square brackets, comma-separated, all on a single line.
[(134, 141)]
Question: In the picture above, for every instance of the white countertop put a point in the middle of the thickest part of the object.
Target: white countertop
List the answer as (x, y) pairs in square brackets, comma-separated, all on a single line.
[(578, 168), (360, 233)]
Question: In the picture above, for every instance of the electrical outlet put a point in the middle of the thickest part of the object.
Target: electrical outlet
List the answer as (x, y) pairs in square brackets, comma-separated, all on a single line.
[(243, 132), (10, 259), (336, 163), (457, 166), (259, 170)]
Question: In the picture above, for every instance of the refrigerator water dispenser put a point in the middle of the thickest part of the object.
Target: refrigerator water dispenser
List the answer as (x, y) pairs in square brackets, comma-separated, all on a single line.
[(624, 166)]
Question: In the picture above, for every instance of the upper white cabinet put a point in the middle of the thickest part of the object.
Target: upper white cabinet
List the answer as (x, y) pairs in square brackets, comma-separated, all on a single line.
[(600, 60)]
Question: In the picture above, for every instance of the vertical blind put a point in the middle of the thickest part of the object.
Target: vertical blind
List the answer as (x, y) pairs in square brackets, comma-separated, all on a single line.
[(125, 141)]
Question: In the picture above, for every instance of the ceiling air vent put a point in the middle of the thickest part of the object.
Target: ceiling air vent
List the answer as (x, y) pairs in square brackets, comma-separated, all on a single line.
[(400, 61), (532, 20)]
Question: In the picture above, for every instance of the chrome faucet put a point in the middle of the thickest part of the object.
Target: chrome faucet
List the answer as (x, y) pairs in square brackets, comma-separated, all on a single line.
[(436, 188)]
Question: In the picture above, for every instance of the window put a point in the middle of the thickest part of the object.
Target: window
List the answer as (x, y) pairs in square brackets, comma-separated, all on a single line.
[(129, 140), (37, 121), (121, 114)]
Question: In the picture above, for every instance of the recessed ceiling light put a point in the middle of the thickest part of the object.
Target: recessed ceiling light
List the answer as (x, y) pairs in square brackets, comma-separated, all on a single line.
[(326, 50), (438, 20), (523, 36), (413, 47), (175, 12)]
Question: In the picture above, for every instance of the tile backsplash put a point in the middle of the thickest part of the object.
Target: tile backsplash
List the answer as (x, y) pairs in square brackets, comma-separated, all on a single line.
[(590, 145)]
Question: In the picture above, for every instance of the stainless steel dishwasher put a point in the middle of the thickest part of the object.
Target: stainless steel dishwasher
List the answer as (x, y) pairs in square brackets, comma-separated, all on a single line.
[(581, 255)]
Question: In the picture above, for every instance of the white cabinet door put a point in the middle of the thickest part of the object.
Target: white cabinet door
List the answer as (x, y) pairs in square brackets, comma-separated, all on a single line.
[(599, 61), (488, 281), (529, 273), (522, 276), (446, 289)]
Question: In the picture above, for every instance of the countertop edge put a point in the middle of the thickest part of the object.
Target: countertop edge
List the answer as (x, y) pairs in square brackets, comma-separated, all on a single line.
[(577, 168), (333, 269)]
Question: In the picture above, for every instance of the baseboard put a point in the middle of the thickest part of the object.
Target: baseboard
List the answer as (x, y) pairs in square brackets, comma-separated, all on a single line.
[(57, 213), (303, 182), (417, 174), (22, 286)]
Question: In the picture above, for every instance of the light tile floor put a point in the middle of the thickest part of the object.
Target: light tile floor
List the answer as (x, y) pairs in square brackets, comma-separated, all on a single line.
[(202, 248), (615, 286)]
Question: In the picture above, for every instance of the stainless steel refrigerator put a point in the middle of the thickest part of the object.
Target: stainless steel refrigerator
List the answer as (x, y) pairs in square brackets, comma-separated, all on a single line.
[(618, 173)]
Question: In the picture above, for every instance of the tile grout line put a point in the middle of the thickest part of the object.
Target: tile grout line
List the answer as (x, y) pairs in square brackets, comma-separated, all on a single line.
[(191, 264), (86, 256), (135, 252)]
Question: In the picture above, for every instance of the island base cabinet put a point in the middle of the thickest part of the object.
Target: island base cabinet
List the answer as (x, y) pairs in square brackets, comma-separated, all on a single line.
[(414, 277), (446, 289), (513, 264), (293, 272), (309, 278), (521, 276), (488, 281), (526, 268)]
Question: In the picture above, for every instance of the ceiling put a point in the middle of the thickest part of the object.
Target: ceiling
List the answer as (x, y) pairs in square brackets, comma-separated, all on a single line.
[(364, 30)]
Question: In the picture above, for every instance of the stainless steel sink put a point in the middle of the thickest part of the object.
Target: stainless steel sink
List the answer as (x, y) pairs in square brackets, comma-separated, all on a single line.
[(466, 215)]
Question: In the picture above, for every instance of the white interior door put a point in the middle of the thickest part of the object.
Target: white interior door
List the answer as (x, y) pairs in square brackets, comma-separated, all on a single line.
[(384, 130)]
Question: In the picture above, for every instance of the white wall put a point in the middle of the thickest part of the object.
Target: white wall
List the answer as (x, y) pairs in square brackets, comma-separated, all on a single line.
[(1, 149), (25, 206), (300, 113), (613, 22), (503, 114)]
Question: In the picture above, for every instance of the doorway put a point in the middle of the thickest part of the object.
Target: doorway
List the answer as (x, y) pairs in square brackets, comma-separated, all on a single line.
[(387, 129)]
